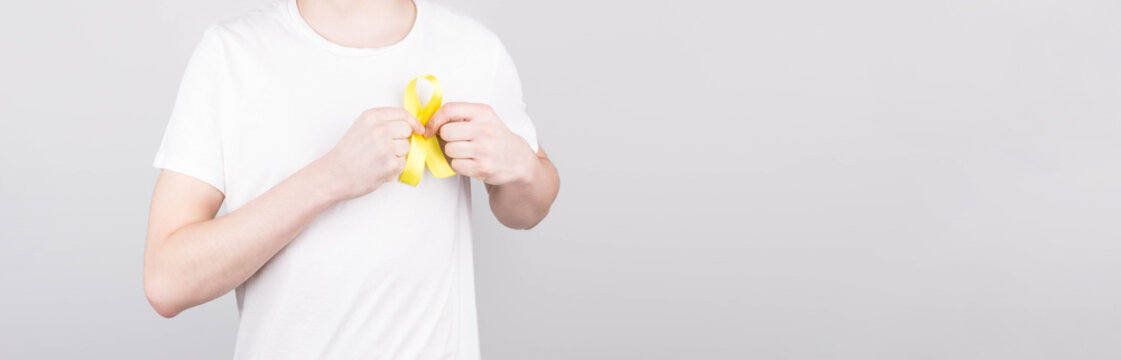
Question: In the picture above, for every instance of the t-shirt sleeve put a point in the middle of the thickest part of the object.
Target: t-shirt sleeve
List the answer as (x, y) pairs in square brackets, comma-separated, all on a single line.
[(191, 142), (506, 98)]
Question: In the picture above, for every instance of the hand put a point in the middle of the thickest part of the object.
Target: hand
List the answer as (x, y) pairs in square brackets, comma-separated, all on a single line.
[(480, 145), (372, 152)]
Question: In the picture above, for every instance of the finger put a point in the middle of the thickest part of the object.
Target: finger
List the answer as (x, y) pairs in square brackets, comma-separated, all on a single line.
[(385, 114), (399, 164), (455, 111), (457, 131), (398, 129), (460, 149), (400, 147), (415, 125), (465, 167)]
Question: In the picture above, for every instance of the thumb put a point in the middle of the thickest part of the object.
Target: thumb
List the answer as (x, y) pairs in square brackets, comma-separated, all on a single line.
[(415, 124)]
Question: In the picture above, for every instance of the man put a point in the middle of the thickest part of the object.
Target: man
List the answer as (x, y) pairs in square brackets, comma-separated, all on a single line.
[(291, 117)]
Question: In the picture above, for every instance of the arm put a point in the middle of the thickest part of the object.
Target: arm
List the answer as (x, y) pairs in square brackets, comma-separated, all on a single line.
[(191, 257), (523, 203), (522, 185)]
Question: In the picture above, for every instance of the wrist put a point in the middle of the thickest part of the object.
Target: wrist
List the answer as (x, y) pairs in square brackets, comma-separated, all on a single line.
[(324, 180), (529, 172)]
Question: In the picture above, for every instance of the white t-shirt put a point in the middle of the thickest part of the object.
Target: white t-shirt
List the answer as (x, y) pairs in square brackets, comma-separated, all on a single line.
[(388, 275)]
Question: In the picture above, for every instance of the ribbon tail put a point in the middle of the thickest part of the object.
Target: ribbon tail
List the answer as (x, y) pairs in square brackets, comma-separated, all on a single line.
[(436, 160), (414, 161)]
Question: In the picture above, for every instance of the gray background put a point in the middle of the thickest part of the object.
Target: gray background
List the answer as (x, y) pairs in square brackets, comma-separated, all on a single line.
[(763, 179)]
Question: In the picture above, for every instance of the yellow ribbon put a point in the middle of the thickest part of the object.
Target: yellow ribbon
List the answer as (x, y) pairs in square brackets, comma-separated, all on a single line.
[(424, 150)]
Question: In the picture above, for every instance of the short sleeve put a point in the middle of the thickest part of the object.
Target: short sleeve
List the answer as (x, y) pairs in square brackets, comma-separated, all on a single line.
[(191, 142), (506, 98)]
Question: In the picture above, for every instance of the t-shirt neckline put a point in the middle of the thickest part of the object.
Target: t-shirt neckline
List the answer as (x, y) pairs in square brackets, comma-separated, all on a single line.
[(308, 32)]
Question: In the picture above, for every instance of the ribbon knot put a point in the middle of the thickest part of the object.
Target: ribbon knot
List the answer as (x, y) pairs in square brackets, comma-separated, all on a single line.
[(424, 150)]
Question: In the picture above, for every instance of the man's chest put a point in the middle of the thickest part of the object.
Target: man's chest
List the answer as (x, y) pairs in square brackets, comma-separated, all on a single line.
[(292, 113)]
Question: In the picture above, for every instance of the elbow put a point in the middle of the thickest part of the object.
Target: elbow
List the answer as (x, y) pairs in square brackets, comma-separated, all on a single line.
[(523, 217), (523, 225), (519, 225), (161, 296), (524, 222), (165, 311)]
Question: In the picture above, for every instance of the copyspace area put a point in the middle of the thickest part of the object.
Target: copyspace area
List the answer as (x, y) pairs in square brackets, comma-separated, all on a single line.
[(762, 179)]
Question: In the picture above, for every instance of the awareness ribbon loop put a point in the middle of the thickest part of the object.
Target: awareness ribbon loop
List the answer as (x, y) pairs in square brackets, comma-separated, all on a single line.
[(424, 150)]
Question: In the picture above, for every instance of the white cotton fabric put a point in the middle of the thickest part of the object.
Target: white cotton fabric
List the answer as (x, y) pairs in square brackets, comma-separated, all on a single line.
[(388, 275)]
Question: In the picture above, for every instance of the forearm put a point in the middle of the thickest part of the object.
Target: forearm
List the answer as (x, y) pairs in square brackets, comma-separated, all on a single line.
[(202, 261), (523, 203)]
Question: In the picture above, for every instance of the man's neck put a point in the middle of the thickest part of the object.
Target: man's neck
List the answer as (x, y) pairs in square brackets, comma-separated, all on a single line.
[(359, 23)]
